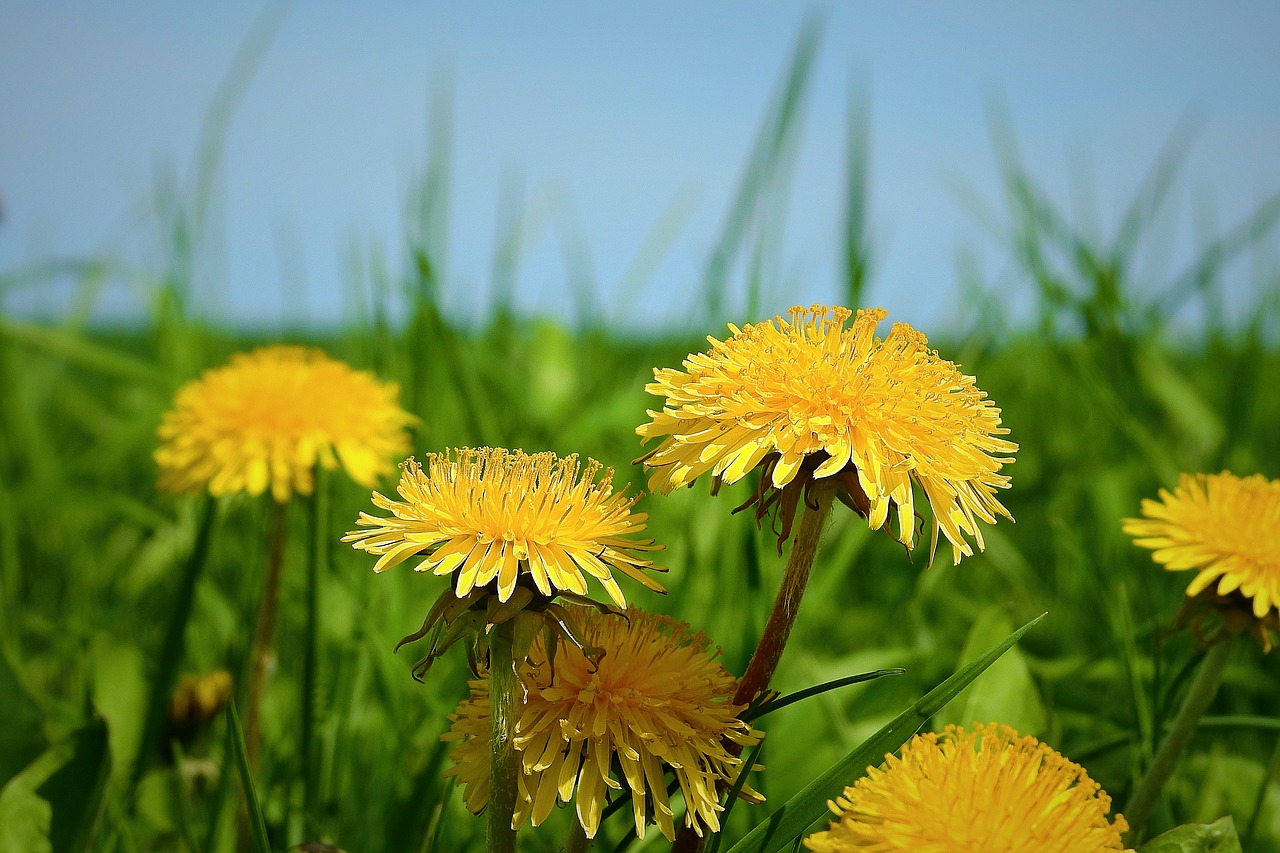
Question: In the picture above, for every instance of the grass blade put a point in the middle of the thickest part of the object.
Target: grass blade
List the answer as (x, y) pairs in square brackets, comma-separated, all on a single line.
[(257, 826), (174, 642), (798, 813)]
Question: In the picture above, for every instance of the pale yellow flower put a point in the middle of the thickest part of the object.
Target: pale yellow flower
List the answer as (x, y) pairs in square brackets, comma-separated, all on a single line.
[(806, 399), (652, 700), (979, 790), (268, 417)]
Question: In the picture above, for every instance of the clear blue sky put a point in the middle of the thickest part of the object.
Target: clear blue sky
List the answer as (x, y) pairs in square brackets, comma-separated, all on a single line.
[(608, 115)]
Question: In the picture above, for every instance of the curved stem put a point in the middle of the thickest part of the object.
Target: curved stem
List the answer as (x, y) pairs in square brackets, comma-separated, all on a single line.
[(764, 661), (502, 752), (1145, 796)]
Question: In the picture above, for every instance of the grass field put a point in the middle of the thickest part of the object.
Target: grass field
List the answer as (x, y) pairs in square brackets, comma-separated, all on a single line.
[(1107, 398)]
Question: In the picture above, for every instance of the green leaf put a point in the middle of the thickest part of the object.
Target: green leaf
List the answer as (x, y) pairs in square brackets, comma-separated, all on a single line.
[(25, 818), (1006, 692), (21, 736), (1217, 837), (806, 807), (76, 791), (257, 826)]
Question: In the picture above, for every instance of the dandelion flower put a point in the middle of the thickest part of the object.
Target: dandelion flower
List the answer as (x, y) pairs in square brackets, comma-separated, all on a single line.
[(979, 790), (806, 399), (496, 519), (265, 419), (655, 700), (1226, 528)]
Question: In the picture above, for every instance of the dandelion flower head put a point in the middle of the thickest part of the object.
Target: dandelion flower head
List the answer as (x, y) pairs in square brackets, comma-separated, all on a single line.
[(656, 700), (1225, 528), (806, 398), (977, 790), (268, 417), (496, 518)]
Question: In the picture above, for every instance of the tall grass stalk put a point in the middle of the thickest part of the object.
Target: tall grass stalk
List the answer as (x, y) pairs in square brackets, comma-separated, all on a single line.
[(171, 652)]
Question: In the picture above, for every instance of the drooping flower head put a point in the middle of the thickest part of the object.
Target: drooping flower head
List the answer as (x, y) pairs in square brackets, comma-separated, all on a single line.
[(268, 417), (806, 399), (654, 700), (1225, 528), (977, 790)]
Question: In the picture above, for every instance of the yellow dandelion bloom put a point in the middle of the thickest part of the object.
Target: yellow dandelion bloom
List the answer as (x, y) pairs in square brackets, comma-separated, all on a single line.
[(979, 790), (265, 419), (655, 700), (1226, 528), (807, 399), (492, 516)]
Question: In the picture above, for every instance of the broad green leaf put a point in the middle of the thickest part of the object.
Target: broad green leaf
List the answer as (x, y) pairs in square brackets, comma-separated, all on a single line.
[(75, 792), (1217, 837), (1006, 692), (796, 815), (119, 694), (25, 816), (21, 736)]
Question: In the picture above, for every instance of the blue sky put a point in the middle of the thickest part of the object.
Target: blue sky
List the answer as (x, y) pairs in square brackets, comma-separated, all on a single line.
[(610, 117)]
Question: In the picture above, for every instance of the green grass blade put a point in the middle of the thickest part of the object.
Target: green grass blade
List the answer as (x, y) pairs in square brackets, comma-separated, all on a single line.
[(713, 846), (766, 160), (174, 642), (857, 249), (801, 695), (798, 813), (257, 826)]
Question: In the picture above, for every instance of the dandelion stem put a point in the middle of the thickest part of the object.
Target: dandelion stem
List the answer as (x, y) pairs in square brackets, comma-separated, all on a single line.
[(1143, 801), (262, 636), (502, 754), (764, 661)]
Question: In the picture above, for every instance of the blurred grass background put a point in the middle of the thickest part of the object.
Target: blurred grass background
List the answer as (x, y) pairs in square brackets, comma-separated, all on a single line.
[(1107, 391)]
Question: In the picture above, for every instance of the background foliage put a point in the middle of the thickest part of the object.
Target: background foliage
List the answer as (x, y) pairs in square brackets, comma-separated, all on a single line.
[(1108, 396)]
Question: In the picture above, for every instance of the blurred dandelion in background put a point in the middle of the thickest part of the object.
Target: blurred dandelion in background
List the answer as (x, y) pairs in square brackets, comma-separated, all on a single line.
[(806, 399), (268, 417), (979, 790), (655, 700)]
